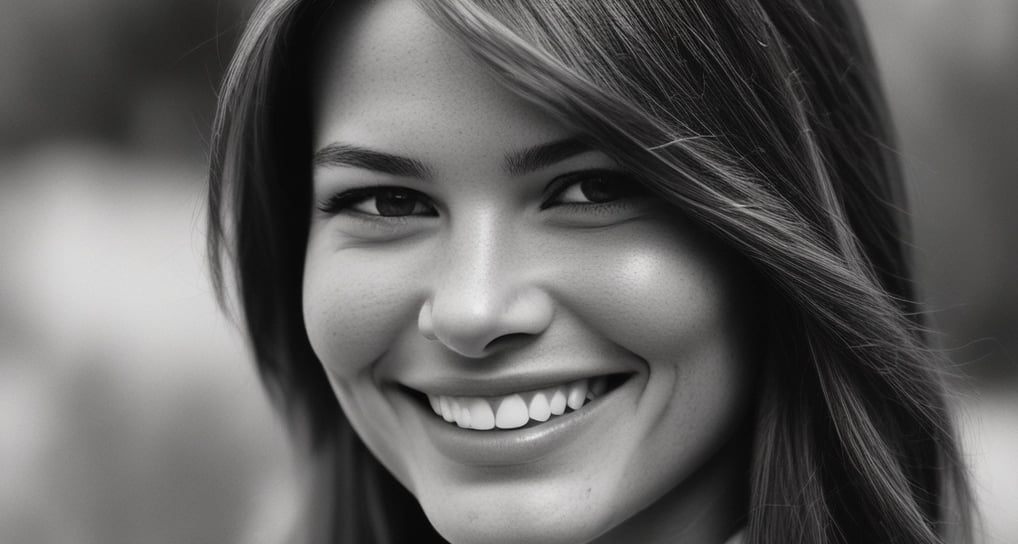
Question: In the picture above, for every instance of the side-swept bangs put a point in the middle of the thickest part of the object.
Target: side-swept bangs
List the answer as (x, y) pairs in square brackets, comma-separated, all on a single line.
[(763, 124)]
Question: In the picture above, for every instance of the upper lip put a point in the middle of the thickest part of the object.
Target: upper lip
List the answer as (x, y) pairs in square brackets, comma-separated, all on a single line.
[(480, 386)]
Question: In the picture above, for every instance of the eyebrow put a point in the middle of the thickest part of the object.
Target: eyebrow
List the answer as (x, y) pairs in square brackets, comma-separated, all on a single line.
[(517, 163), (337, 154), (541, 156)]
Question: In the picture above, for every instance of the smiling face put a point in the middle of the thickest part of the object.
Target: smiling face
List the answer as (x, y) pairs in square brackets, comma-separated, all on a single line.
[(471, 258)]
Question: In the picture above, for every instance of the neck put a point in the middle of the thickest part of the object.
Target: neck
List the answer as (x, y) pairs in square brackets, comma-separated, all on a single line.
[(709, 507)]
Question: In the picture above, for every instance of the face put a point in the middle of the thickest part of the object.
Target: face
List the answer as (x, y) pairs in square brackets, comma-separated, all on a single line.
[(534, 347)]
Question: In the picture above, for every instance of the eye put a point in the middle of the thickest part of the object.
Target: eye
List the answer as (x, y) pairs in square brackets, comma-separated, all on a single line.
[(591, 187), (379, 202)]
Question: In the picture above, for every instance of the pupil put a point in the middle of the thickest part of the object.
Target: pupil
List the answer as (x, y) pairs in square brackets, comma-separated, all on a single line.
[(600, 190), (394, 203)]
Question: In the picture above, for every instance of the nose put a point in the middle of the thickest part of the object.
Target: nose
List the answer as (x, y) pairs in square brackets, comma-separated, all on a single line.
[(484, 292)]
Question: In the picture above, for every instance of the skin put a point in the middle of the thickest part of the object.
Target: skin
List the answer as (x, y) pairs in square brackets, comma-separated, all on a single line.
[(497, 282)]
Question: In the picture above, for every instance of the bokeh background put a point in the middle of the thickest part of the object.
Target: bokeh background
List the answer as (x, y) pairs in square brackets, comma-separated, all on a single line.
[(129, 409)]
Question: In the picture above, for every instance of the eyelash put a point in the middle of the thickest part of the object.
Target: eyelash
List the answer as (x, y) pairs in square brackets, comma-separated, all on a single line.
[(561, 184), (343, 202)]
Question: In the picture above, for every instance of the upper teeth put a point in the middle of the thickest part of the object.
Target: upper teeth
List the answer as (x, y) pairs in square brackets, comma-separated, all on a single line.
[(515, 410)]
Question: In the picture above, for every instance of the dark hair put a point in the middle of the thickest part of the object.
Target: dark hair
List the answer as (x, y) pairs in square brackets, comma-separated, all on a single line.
[(761, 121)]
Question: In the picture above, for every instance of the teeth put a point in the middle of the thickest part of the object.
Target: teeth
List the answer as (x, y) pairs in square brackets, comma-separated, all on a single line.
[(577, 394), (454, 407), (482, 417), (516, 410), (558, 402), (539, 409), (463, 415), (446, 410), (512, 413)]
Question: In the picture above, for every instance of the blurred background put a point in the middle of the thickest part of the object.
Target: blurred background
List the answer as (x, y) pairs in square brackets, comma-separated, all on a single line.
[(129, 409)]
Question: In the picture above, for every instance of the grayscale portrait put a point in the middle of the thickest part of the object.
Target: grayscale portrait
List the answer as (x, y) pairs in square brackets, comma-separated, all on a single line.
[(554, 271)]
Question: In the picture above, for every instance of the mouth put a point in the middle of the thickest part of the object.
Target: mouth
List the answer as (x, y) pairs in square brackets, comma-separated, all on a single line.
[(522, 410)]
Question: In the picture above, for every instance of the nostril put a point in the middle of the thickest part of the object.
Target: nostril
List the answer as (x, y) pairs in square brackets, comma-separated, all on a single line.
[(508, 340), (425, 323), (473, 325)]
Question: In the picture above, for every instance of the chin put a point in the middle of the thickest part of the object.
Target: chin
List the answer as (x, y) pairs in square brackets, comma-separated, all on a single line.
[(508, 521)]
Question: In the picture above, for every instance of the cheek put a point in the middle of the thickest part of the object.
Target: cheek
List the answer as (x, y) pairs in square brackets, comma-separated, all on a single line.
[(657, 290), (356, 301), (679, 302)]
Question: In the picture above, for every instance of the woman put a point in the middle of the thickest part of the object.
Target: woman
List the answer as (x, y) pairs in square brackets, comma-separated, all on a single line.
[(577, 271)]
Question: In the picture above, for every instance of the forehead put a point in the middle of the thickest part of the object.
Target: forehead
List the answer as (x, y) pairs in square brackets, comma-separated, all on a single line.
[(388, 76)]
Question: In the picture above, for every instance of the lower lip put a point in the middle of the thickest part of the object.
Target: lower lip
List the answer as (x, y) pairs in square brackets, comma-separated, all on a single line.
[(496, 448)]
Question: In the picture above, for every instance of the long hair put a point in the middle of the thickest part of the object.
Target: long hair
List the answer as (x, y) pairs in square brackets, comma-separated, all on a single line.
[(761, 121)]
